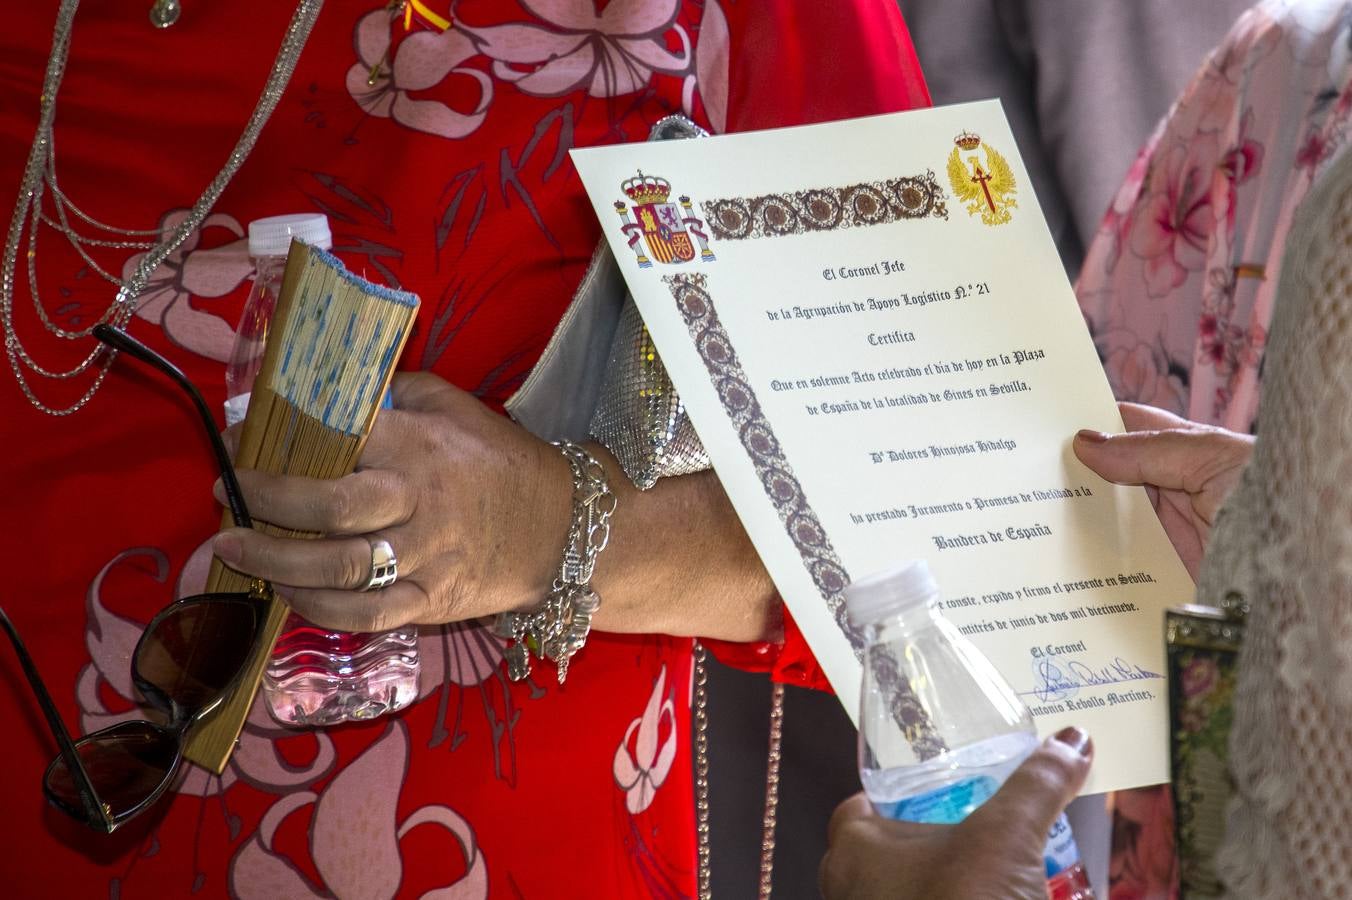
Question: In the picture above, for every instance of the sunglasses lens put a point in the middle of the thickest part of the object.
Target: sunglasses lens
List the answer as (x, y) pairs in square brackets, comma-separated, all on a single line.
[(127, 764), (194, 649)]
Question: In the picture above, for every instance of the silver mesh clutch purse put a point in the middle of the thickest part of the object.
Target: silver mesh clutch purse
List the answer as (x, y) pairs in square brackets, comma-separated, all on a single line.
[(640, 418)]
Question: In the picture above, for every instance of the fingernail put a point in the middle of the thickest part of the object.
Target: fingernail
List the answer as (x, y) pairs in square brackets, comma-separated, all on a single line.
[(227, 548), (1093, 437), (218, 491), (1075, 738)]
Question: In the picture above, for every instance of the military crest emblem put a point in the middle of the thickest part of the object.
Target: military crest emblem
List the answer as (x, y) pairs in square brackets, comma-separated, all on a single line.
[(661, 230), (986, 188)]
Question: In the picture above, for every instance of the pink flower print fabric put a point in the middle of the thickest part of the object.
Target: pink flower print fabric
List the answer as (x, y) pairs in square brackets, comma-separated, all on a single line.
[(609, 51), (423, 60), (354, 835), (1178, 286), (194, 272), (645, 755)]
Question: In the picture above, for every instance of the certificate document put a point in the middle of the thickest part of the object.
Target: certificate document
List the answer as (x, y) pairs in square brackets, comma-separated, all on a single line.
[(875, 339)]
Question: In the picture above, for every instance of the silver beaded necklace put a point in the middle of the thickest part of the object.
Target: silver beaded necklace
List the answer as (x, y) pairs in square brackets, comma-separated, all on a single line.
[(40, 177)]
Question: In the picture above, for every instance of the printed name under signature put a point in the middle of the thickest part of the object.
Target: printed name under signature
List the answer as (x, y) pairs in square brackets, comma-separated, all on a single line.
[(1058, 679)]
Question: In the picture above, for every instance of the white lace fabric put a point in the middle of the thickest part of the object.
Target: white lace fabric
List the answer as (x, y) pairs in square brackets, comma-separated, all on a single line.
[(1284, 542)]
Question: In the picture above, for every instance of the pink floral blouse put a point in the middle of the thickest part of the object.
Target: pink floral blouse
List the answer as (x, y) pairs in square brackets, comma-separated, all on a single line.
[(1179, 284)]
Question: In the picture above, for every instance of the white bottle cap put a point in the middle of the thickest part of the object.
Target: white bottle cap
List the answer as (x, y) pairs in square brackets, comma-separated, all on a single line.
[(882, 594), (236, 408), (272, 236)]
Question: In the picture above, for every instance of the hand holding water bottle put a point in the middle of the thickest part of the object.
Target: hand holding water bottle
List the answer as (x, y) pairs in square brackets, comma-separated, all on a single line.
[(940, 730), (996, 853)]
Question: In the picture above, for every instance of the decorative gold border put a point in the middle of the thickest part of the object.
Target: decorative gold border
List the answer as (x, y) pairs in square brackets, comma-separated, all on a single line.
[(826, 209)]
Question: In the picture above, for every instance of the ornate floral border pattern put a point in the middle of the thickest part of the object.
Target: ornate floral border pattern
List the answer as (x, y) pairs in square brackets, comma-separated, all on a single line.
[(827, 209), (782, 487), (776, 475)]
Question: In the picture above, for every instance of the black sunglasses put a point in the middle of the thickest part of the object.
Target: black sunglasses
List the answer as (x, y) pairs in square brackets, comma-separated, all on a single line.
[(186, 662)]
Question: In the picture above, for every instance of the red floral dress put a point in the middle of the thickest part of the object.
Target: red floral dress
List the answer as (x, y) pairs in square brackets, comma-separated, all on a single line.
[(439, 155)]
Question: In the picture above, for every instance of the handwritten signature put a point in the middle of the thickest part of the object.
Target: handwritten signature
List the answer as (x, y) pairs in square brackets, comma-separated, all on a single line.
[(1058, 679)]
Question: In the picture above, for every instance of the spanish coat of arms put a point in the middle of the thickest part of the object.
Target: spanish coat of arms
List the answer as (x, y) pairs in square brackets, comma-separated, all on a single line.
[(986, 189), (664, 228)]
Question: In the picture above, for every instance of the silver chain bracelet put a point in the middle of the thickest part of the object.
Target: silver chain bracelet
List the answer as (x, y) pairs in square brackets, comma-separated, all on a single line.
[(558, 628)]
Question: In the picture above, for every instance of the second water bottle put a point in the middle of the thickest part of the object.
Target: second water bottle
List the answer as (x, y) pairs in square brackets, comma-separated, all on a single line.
[(974, 731)]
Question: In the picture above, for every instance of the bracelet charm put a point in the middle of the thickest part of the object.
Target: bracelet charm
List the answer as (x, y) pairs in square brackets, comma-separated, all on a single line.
[(558, 628)]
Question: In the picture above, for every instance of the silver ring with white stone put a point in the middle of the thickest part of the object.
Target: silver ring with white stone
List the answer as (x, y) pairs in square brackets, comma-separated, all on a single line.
[(384, 565)]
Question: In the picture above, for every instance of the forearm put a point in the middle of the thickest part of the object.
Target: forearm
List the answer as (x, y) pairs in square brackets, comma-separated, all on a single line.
[(679, 562), (477, 510)]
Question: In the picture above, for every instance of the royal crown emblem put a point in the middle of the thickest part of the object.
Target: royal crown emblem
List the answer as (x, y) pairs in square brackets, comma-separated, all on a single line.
[(664, 228), (985, 189)]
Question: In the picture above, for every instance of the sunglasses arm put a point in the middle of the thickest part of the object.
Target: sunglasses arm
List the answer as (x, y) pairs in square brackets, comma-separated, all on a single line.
[(120, 340), (95, 812)]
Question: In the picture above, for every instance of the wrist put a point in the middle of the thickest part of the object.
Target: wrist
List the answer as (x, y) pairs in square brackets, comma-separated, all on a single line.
[(558, 627), (548, 518)]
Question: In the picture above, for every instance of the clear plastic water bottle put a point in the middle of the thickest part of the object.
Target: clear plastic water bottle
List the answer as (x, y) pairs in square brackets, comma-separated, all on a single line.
[(316, 677), (986, 731), (269, 242)]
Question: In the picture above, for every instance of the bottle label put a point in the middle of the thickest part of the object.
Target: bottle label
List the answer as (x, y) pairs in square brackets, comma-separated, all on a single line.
[(235, 408), (1061, 852), (952, 803), (947, 805)]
